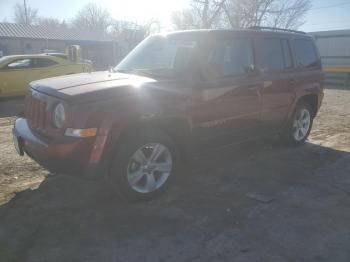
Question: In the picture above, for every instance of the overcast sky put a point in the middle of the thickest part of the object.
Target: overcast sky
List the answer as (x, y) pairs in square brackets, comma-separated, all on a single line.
[(324, 15)]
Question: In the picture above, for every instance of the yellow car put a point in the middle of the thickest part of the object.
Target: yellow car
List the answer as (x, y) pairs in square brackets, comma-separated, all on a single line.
[(17, 71)]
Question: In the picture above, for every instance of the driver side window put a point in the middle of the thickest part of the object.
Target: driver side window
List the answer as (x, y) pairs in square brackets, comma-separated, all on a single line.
[(231, 57), (19, 64)]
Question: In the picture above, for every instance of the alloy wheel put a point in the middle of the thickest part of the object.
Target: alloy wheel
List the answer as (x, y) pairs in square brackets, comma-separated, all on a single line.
[(301, 124), (149, 167)]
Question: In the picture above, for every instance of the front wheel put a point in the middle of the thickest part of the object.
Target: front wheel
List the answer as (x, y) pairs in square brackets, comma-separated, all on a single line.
[(144, 165), (299, 126)]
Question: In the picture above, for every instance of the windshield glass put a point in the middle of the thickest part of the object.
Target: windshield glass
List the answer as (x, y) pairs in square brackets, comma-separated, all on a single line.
[(159, 56), (3, 59)]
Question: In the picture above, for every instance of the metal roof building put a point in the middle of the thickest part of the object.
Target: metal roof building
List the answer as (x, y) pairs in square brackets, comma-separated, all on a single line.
[(40, 32), (28, 39), (334, 47)]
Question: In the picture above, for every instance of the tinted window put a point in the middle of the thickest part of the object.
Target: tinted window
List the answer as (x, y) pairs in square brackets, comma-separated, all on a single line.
[(271, 54), (231, 57), (305, 53), (286, 54), (42, 62), (3, 59), (19, 64)]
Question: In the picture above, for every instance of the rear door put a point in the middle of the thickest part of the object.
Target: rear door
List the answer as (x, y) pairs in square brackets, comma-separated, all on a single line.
[(277, 71), (308, 66), (228, 105)]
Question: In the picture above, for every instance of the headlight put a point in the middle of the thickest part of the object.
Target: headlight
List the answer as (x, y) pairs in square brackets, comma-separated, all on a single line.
[(59, 116)]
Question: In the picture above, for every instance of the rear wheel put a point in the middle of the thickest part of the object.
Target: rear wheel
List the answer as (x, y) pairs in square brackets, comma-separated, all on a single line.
[(299, 126), (144, 165)]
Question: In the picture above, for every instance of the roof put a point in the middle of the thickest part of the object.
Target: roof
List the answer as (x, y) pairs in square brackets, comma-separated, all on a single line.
[(6, 59), (11, 30), (332, 33), (27, 56), (229, 32), (12, 57)]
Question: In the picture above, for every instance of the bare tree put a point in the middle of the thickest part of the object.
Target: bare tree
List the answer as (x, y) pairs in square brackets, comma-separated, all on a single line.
[(184, 20), (50, 22), (25, 15), (276, 13), (122, 29), (289, 14), (94, 18), (200, 14), (150, 27), (242, 14)]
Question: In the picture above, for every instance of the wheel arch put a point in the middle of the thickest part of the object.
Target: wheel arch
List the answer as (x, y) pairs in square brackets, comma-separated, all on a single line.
[(312, 100), (177, 128)]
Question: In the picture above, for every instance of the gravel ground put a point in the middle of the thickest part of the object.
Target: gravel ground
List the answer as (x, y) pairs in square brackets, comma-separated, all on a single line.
[(263, 202)]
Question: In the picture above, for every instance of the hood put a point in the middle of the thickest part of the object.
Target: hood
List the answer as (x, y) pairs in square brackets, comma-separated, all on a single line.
[(86, 87)]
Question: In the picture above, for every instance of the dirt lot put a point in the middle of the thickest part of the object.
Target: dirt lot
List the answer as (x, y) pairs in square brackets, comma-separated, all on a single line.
[(262, 203)]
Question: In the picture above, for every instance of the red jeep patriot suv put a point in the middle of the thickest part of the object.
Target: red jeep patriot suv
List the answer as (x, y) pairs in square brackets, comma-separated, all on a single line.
[(172, 96)]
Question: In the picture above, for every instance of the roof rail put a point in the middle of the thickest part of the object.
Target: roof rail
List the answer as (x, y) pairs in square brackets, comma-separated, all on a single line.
[(275, 29)]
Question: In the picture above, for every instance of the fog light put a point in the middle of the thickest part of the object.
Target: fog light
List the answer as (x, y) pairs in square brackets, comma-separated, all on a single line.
[(86, 132)]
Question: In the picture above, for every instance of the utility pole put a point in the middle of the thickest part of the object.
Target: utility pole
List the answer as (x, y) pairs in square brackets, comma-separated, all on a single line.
[(25, 11)]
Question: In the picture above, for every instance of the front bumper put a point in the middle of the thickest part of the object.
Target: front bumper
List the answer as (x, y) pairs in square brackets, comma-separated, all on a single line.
[(64, 155)]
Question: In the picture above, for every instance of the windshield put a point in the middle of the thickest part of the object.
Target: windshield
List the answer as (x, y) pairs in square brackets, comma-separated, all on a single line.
[(159, 56), (3, 59)]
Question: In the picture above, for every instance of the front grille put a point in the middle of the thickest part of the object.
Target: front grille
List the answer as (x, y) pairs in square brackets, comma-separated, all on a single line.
[(35, 112)]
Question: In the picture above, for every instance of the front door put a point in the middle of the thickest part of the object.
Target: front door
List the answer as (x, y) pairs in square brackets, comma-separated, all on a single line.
[(227, 105), (14, 77), (17, 74)]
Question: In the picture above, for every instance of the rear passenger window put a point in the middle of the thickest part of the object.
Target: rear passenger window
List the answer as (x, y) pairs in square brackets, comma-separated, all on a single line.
[(305, 53), (272, 56), (286, 54), (42, 62), (231, 57)]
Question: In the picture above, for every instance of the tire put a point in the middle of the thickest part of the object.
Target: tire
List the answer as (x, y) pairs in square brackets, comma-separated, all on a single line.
[(134, 174), (299, 126)]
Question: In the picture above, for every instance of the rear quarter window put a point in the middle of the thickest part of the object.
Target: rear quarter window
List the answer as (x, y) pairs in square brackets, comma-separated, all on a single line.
[(305, 53), (286, 54)]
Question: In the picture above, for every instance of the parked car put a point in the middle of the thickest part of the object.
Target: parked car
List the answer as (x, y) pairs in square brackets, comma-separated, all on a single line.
[(173, 96), (17, 71)]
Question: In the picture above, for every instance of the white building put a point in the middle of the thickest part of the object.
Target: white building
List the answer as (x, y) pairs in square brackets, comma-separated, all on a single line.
[(334, 48)]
